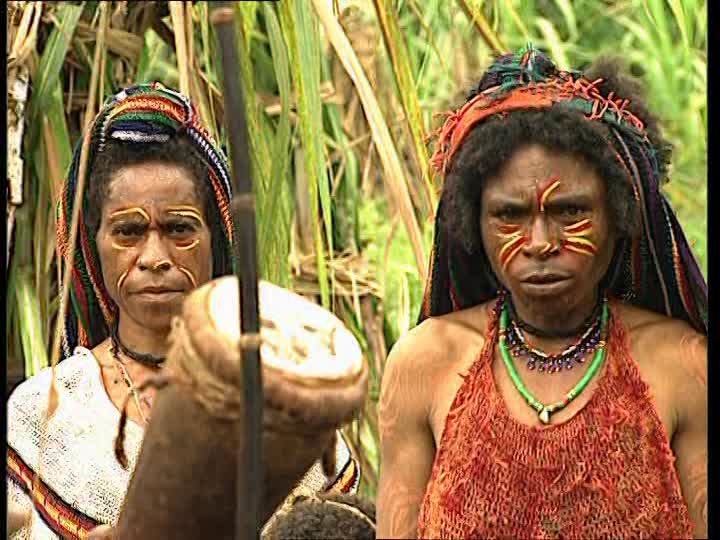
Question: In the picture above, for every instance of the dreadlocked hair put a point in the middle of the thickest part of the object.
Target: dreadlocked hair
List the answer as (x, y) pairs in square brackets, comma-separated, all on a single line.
[(562, 127)]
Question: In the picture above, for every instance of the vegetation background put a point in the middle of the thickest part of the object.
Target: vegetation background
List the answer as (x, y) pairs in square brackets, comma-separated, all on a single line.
[(340, 96)]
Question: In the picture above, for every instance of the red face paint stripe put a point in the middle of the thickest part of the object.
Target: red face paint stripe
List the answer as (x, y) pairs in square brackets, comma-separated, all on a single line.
[(580, 247), (578, 227), (508, 229), (510, 249), (543, 195)]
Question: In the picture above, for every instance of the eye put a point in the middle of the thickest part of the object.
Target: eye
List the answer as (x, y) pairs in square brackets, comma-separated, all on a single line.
[(179, 228), (571, 211), (128, 230), (509, 213)]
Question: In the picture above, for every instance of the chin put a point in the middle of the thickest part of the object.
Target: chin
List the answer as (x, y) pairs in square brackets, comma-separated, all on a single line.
[(156, 317)]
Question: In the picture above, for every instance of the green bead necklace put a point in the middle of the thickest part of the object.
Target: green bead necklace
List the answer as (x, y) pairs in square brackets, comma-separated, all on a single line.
[(544, 411)]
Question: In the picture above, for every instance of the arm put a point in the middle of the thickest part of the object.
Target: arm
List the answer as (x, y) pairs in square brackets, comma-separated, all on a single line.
[(406, 440), (690, 440)]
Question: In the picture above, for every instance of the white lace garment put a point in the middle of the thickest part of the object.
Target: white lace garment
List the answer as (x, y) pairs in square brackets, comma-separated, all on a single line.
[(75, 451)]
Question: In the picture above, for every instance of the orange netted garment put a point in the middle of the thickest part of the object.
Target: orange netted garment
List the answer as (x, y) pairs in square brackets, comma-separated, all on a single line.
[(606, 473)]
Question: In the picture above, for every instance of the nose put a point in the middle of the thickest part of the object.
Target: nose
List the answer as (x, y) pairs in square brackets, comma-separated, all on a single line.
[(541, 242), (154, 255)]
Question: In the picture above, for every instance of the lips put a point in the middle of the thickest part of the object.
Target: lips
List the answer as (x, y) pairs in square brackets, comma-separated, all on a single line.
[(546, 284), (158, 290), (544, 278)]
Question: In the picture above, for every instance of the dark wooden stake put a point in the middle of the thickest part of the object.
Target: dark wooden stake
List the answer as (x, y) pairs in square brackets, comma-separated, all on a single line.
[(249, 473)]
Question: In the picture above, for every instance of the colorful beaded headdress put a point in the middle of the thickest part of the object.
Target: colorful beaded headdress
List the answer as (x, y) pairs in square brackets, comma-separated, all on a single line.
[(655, 270), (142, 114)]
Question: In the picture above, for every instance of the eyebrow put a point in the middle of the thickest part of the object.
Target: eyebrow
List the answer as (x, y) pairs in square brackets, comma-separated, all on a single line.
[(562, 199), (186, 211), (137, 211), (502, 203)]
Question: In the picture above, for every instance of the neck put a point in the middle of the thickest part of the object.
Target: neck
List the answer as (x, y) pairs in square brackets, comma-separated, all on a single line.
[(141, 339), (551, 324)]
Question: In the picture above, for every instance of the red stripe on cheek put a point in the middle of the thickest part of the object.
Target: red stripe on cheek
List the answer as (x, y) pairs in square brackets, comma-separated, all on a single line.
[(509, 250), (508, 229), (587, 249), (576, 229)]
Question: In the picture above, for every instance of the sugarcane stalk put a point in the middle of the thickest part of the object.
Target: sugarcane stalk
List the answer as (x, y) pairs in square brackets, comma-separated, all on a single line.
[(249, 473)]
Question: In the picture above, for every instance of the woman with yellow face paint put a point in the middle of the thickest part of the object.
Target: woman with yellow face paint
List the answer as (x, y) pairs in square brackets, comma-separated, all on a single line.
[(154, 225)]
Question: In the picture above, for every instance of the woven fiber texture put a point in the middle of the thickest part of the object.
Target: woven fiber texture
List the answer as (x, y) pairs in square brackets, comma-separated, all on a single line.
[(605, 473)]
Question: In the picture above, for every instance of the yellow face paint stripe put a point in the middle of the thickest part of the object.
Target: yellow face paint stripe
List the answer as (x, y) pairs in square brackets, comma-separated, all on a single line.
[(186, 211), (189, 246), (577, 227), (581, 240), (582, 251), (509, 245), (121, 279), (189, 275), (128, 211), (546, 193), (547, 247), (511, 255)]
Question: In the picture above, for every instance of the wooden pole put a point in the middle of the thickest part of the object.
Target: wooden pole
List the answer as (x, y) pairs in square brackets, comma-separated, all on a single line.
[(249, 473)]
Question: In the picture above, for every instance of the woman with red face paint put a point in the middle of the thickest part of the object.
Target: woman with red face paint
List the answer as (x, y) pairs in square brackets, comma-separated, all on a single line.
[(556, 383), (154, 225)]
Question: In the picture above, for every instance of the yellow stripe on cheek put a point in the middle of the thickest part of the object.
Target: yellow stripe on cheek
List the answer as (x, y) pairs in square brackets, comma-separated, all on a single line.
[(511, 255), (121, 279), (189, 275), (580, 226), (191, 245)]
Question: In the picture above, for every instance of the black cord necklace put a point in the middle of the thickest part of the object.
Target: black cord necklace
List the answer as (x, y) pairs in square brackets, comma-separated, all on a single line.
[(146, 359), (578, 330)]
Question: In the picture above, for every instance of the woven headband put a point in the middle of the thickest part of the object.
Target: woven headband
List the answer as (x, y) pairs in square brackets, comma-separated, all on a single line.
[(579, 93)]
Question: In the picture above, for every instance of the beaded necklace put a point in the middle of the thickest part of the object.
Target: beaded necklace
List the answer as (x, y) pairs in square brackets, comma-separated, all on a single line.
[(544, 411), (553, 363)]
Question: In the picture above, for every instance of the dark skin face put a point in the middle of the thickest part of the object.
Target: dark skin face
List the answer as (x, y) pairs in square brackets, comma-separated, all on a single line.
[(154, 245), (545, 226)]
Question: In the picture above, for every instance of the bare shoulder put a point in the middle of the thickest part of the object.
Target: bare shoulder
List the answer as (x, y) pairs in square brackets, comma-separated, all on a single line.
[(668, 345), (436, 338), (422, 358)]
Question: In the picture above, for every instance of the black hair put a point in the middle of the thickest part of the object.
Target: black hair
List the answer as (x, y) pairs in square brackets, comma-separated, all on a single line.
[(177, 150), (353, 518), (490, 144)]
